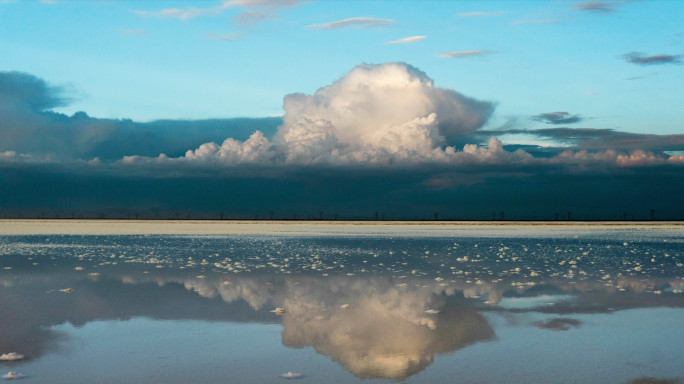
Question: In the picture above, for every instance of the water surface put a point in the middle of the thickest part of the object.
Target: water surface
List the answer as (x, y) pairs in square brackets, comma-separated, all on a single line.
[(158, 303)]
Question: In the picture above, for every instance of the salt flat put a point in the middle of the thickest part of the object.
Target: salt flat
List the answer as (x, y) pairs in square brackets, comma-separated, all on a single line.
[(323, 228)]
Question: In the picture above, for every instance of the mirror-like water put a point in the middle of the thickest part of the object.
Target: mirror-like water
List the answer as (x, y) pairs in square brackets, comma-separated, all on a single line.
[(400, 303)]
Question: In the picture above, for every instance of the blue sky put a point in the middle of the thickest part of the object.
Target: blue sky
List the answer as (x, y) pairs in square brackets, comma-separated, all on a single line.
[(121, 59)]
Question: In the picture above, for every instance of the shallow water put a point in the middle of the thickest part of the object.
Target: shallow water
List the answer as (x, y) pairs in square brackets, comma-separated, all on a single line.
[(413, 303)]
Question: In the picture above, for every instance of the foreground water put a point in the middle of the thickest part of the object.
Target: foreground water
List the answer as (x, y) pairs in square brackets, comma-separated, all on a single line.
[(178, 303)]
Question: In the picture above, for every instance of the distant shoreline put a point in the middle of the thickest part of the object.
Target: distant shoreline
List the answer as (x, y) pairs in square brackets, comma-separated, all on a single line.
[(291, 227)]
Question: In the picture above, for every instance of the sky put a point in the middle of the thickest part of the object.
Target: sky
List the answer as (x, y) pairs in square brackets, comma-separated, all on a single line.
[(342, 108)]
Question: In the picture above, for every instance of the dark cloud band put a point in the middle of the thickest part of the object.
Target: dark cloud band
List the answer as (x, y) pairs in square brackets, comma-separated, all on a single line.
[(642, 59)]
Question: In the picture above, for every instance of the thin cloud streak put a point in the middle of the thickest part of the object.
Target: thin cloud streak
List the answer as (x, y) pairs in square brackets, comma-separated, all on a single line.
[(641, 59), (597, 6), (600, 139), (407, 40), (463, 54), (354, 22), (251, 19), (181, 14), (557, 118), (193, 12)]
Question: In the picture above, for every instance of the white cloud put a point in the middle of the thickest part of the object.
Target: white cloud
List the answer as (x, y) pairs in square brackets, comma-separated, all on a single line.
[(406, 40), (182, 14), (253, 150), (375, 114), (354, 22), (636, 158), (385, 112)]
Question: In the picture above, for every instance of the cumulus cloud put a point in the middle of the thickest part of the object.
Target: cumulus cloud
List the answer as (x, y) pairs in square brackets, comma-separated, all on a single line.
[(371, 99), (636, 158), (406, 40), (391, 109), (642, 59), (254, 149), (375, 114), (463, 54), (354, 22), (557, 118)]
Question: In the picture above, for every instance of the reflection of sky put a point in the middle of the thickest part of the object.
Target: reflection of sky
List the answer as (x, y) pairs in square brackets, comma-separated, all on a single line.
[(158, 286)]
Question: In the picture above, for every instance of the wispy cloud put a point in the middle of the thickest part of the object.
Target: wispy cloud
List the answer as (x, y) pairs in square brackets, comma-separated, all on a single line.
[(641, 59), (482, 14), (407, 40), (557, 118), (226, 37), (597, 6), (646, 76), (601, 139), (182, 14), (354, 22), (251, 19), (261, 3), (192, 12), (464, 54)]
